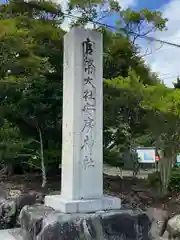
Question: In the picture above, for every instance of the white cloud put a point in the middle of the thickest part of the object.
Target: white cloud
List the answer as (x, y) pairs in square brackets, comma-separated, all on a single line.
[(127, 3), (166, 60)]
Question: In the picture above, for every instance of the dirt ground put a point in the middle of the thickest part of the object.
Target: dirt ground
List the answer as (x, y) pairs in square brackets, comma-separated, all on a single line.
[(133, 192)]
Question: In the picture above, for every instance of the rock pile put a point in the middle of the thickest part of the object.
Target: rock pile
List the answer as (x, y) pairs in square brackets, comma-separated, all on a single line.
[(11, 206), (38, 222), (43, 223)]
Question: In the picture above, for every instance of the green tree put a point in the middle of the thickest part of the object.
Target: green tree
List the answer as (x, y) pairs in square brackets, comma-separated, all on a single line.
[(124, 125), (120, 49), (163, 117), (13, 147), (177, 84), (120, 55), (90, 12), (137, 24), (133, 23), (31, 78)]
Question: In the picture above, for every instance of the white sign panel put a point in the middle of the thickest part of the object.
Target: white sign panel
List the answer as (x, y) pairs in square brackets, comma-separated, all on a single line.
[(146, 155), (178, 158)]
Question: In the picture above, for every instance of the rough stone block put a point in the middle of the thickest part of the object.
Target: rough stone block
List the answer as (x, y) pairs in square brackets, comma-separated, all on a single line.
[(42, 223), (159, 219), (7, 213), (31, 220)]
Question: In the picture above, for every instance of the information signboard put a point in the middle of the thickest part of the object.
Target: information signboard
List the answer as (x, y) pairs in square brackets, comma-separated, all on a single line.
[(146, 155), (178, 160)]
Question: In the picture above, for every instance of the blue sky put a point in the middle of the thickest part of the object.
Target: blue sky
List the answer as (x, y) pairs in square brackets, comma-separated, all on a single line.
[(151, 4), (164, 59)]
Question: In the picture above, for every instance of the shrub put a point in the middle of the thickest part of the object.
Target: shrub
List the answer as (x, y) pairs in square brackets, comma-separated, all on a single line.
[(154, 180), (113, 158), (174, 184)]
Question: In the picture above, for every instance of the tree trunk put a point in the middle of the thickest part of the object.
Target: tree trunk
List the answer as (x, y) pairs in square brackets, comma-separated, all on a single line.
[(9, 170), (165, 170), (121, 172), (43, 168)]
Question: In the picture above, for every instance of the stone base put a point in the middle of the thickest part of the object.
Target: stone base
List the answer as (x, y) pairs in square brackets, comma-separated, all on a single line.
[(57, 202), (43, 223)]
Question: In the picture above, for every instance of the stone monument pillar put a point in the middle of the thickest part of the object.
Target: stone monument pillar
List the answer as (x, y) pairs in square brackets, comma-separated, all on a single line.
[(82, 149)]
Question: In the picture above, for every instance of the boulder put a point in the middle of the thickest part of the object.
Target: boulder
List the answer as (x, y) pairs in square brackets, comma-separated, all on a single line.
[(173, 227), (159, 219), (25, 199), (43, 223), (3, 193), (10, 209), (31, 218), (7, 213)]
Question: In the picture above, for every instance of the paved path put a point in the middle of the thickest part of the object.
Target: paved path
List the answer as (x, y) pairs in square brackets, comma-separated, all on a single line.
[(113, 171)]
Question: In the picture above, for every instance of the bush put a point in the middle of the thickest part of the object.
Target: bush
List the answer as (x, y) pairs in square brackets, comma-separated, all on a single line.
[(113, 158), (154, 180), (174, 184)]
